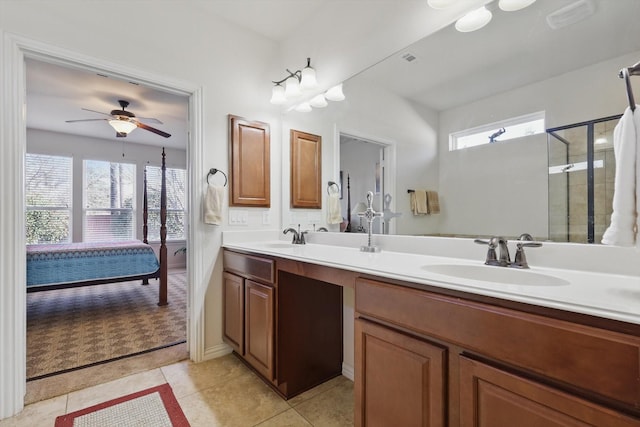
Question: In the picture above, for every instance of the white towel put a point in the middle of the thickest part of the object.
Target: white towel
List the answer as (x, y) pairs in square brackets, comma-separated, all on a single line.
[(334, 212), (213, 204), (622, 230)]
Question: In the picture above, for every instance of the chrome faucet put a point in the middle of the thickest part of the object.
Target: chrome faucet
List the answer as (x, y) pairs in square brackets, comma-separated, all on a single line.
[(370, 215), (504, 259), (298, 236)]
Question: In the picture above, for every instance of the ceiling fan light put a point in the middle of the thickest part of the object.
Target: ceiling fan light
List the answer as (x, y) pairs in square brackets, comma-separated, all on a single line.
[(122, 126), (277, 95), (303, 107), (308, 78), (513, 5), (318, 101), (474, 20), (335, 93), (292, 87)]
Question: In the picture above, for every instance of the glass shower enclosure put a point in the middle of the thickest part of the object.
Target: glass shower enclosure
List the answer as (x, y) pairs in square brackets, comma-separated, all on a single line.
[(581, 180)]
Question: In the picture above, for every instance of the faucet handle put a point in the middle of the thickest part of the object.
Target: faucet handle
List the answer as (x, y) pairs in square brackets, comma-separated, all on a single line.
[(492, 258), (520, 260)]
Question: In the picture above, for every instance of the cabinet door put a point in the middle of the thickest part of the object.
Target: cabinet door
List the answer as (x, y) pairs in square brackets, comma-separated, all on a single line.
[(250, 164), (399, 380), (259, 327), (233, 297), (306, 170), (490, 397)]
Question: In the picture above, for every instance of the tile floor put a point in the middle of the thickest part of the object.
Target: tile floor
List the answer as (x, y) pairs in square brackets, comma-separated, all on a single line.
[(219, 392)]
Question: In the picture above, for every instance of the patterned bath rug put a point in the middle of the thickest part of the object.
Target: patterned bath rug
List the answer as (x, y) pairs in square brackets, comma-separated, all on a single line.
[(153, 407)]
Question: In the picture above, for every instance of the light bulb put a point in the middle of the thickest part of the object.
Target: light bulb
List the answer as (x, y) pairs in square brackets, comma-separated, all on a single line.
[(474, 20), (277, 95), (335, 93), (292, 87), (318, 101), (308, 79), (122, 126), (440, 4), (513, 5), (303, 107)]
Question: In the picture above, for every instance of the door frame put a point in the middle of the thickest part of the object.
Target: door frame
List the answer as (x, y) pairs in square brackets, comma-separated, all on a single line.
[(12, 238)]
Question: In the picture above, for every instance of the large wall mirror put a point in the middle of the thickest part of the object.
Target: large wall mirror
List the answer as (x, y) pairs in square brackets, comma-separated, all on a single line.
[(556, 59)]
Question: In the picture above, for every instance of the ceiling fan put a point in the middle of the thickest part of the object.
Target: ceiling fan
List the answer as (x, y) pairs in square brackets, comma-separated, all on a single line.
[(124, 121)]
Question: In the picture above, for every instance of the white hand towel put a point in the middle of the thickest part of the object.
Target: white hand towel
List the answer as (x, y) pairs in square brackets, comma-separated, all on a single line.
[(622, 231), (213, 204), (334, 212)]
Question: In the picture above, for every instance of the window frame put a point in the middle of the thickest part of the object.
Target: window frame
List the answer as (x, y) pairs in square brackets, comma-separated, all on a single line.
[(454, 137), (134, 201), (68, 208)]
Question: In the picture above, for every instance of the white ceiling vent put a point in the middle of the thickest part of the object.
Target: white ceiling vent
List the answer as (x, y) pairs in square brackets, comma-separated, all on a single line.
[(571, 14), (409, 57)]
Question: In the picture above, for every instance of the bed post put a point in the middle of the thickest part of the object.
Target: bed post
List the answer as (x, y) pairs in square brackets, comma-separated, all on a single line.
[(163, 234), (145, 215)]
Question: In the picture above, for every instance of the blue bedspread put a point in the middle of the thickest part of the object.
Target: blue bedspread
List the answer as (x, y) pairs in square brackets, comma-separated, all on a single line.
[(79, 262)]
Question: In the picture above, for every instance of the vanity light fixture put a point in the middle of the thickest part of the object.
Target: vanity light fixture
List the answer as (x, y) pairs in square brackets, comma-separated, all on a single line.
[(318, 101), (303, 107), (474, 20), (122, 126), (295, 84)]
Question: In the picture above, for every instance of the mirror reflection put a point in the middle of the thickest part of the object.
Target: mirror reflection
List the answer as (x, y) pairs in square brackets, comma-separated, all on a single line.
[(556, 60)]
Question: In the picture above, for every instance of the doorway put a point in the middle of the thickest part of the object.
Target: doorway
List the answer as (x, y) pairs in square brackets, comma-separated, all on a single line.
[(367, 165), (13, 141)]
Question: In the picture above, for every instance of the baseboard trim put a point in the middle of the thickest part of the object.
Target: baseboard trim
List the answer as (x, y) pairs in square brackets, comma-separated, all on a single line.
[(347, 371), (216, 351)]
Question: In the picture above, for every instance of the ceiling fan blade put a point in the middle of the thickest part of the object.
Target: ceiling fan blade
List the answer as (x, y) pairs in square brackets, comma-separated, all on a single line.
[(85, 120), (154, 130), (150, 120), (94, 111)]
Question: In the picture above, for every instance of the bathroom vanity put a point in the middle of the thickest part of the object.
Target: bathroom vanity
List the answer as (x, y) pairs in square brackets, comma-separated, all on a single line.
[(438, 350)]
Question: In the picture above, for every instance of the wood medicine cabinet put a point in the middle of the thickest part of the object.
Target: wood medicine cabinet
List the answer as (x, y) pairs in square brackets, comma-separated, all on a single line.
[(306, 170), (250, 163)]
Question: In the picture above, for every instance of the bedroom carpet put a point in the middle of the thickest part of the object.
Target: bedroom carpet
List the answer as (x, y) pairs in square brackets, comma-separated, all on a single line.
[(72, 328)]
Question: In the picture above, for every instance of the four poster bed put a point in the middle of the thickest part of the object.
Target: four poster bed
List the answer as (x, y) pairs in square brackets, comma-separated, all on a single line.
[(83, 264)]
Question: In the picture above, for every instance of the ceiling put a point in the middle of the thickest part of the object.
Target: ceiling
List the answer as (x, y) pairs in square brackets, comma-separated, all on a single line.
[(515, 49)]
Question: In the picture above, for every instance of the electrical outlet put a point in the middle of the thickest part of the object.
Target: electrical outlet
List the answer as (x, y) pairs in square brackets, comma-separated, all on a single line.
[(266, 220)]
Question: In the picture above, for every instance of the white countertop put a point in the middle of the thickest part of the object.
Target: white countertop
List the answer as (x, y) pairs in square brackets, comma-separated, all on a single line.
[(611, 296)]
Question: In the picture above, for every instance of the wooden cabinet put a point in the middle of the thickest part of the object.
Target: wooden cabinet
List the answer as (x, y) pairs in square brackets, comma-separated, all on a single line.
[(306, 170), (250, 153), (233, 324), (401, 379), (491, 397), (287, 327), (259, 327), (249, 309), (501, 364)]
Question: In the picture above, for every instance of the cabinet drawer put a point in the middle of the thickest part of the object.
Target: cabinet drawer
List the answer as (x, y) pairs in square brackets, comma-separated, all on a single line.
[(249, 266), (598, 361), (491, 397)]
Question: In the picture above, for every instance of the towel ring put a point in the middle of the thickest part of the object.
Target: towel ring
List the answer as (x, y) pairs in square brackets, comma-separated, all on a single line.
[(330, 184), (213, 171)]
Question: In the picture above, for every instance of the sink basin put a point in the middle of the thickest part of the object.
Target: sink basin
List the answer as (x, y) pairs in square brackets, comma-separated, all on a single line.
[(485, 273)]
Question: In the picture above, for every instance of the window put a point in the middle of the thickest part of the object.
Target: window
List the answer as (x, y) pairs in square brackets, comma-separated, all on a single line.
[(516, 127), (48, 183), (109, 201), (176, 202)]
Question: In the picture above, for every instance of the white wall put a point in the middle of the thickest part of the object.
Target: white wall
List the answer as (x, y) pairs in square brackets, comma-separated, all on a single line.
[(81, 148)]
